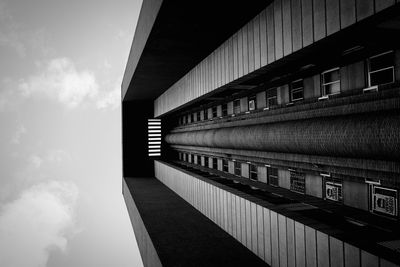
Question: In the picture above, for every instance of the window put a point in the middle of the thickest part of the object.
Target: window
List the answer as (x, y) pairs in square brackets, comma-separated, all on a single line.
[(154, 137), (236, 106), (384, 201), (206, 114), (333, 190), (297, 182), (224, 110), (271, 96), (381, 69), (225, 166), (198, 116), (206, 162), (296, 90), (214, 112), (252, 103), (238, 168), (272, 174), (192, 117), (215, 163), (253, 172), (330, 81), (192, 158)]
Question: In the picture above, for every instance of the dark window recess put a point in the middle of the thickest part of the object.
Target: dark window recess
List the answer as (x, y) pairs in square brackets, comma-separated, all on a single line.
[(296, 90), (238, 168), (186, 119), (330, 81), (206, 162), (381, 69), (192, 117), (198, 116), (225, 166), (206, 114), (272, 174), (236, 106), (215, 163), (214, 112), (252, 103), (271, 97), (297, 182), (191, 158), (333, 189), (253, 172), (224, 110)]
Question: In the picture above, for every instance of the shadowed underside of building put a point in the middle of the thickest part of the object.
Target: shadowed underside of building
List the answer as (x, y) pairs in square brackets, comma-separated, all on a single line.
[(264, 133)]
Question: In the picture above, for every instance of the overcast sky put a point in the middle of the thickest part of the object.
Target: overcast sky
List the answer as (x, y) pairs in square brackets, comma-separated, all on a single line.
[(61, 66)]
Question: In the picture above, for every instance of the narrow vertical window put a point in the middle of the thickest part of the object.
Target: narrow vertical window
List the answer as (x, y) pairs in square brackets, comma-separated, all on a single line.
[(214, 112), (238, 168), (198, 116), (224, 110), (296, 90), (225, 166), (154, 137), (206, 114), (330, 82), (272, 174), (215, 163), (381, 69), (206, 164), (253, 172), (271, 97), (236, 106)]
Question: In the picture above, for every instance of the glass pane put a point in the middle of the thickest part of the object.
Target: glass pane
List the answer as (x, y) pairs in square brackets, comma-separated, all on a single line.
[(297, 84), (332, 88), (380, 62), (382, 77), (331, 76), (297, 94)]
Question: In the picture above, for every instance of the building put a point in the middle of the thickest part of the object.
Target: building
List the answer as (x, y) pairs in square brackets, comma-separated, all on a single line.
[(264, 132)]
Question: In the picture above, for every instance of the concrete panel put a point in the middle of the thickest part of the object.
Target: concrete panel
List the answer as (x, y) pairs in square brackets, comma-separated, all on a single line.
[(231, 167), (274, 239), (238, 219), (364, 8), (355, 194), (278, 29), (235, 57), (332, 16), (270, 33), (257, 42), (319, 19), (225, 197), (244, 105), (243, 221), (291, 246), (250, 44), (254, 228), (261, 100), (230, 108), (248, 225), (297, 35), (282, 241), (234, 217), (245, 170), (260, 232), (368, 260), (382, 4), (307, 16), (311, 247), (245, 51), (229, 212), (385, 263), (351, 255), (262, 174), (284, 178), (267, 237), (263, 39), (308, 87), (313, 185), (240, 52), (287, 27), (336, 252), (322, 249)]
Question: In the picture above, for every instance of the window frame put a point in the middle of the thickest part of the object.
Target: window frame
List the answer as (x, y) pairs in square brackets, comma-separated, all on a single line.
[(296, 89), (253, 171), (225, 165), (270, 175), (215, 160), (375, 71), (235, 111), (215, 108), (237, 164), (224, 108), (206, 114), (267, 98), (323, 84), (249, 99)]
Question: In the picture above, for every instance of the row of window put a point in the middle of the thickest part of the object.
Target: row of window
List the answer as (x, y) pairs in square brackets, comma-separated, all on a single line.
[(382, 200), (380, 71)]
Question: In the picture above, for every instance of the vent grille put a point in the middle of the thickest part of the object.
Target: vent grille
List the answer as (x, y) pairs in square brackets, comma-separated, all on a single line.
[(154, 137)]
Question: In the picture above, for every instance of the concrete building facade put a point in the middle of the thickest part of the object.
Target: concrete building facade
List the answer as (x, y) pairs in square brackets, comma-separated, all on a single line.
[(266, 135)]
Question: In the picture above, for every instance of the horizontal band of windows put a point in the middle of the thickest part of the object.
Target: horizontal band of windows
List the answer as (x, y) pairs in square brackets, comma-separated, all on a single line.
[(154, 123), (154, 150), (154, 142), (154, 120), (155, 135), (155, 138), (150, 147), (154, 127), (154, 131), (154, 154)]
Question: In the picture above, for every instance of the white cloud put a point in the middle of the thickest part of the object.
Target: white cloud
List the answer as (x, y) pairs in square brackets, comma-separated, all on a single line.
[(9, 32), (35, 161), (16, 139), (57, 155), (61, 80), (110, 99), (36, 223)]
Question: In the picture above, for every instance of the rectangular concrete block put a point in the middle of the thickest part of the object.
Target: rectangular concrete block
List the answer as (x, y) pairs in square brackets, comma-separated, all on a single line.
[(234, 215), (351, 255), (300, 244), (291, 246), (282, 241), (322, 249), (229, 212), (248, 225), (260, 232), (267, 237), (245, 170), (355, 194), (274, 239), (254, 229), (311, 247), (243, 221), (262, 174), (238, 219), (336, 252)]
